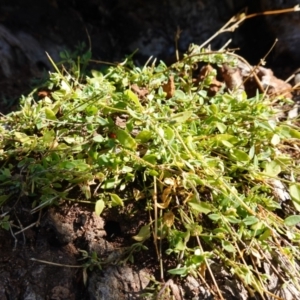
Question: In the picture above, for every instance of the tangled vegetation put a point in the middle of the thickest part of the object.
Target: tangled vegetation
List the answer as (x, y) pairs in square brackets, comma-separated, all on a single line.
[(203, 166)]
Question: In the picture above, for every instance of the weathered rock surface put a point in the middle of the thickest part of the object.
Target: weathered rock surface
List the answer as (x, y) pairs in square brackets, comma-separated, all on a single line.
[(158, 22), (118, 283), (122, 26), (285, 27), (116, 28)]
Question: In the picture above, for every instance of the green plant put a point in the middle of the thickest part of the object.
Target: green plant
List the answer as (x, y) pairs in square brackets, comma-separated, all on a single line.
[(203, 167), (4, 222)]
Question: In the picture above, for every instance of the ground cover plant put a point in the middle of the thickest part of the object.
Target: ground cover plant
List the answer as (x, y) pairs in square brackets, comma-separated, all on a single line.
[(205, 165)]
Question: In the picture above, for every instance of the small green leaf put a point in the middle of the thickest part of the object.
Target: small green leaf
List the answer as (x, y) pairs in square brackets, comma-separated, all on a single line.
[(98, 138), (4, 223), (111, 183), (284, 131), (191, 179), (180, 245), (275, 140), (179, 94), (126, 140), (240, 155), (181, 117), (178, 271), (197, 259), (144, 136), (251, 152), (250, 220), (189, 143), (50, 115), (101, 121), (153, 173), (22, 137), (134, 98), (221, 126), (214, 108), (116, 200), (200, 206), (169, 134), (295, 192), (292, 220), (86, 190), (91, 111), (48, 137), (295, 133), (151, 158), (224, 137), (3, 198), (297, 205), (214, 217), (67, 165), (143, 234), (227, 144), (65, 86), (99, 206), (232, 219), (265, 235), (272, 168), (265, 125), (228, 247)]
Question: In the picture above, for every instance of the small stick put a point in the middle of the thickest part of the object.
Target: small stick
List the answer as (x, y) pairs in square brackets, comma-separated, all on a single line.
[(56, 264)]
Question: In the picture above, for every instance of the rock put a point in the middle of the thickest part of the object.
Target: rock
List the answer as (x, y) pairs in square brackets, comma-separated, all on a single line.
[(158, 23), (60, 232), (22, 49), (117, 282), (94, 236), (230, 286), (285, 27), (117, 28), (60, 293), (286, 289), (30, 294), (122, 26), (193, 289)]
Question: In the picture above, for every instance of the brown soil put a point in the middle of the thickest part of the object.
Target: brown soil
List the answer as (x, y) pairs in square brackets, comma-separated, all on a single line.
[(22, 278), (45, 260), (39, 262)]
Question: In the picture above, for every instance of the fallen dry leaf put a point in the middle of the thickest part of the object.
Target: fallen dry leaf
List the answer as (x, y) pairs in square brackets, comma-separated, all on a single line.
[(140, 91), (43, 94), (169, 87), (215, 84), (232, 77)]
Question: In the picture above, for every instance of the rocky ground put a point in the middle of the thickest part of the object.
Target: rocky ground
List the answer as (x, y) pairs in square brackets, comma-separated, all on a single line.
[(42, 261)]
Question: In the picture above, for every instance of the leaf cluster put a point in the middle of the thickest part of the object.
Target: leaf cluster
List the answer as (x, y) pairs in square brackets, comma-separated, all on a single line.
[(202, 166)]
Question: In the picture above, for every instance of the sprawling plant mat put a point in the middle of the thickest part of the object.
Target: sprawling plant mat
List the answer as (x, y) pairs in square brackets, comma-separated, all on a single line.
[(216, 171)]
